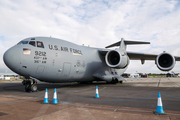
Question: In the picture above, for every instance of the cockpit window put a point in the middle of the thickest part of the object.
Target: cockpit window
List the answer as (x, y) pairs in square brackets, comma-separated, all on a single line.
[(23, 42), (40, 44), (32, 43)]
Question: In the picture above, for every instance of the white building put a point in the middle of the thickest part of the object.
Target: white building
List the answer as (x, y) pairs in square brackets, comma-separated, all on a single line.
[(1, 77), (6, 76), (179, 75), (134, 75)]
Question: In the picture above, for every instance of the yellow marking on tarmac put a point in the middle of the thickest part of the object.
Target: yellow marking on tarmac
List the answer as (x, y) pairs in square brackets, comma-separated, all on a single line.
[(118, 83)]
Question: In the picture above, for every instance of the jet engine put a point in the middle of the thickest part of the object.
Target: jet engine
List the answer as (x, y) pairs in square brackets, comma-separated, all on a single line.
[(116, 59), (165, 61)]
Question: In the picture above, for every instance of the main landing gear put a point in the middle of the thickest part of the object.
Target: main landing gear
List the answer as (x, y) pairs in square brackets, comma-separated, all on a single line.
[(114, 81), (30, 85)]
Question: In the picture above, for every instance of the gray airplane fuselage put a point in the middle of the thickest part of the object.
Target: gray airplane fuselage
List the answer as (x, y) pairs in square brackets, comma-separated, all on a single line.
[(55, 60)]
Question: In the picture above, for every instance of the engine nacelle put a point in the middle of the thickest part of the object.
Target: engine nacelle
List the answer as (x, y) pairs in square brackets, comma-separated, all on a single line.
[(165, 61), (117, 59)]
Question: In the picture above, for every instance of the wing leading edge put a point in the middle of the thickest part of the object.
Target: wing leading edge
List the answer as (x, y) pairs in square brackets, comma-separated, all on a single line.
[(140, 56)]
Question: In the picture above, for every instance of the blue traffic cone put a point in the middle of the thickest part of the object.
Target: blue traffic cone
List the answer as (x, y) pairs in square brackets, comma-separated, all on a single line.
[(55, 101), (97, 93), (159, 105), (131, 79), (46, 96)]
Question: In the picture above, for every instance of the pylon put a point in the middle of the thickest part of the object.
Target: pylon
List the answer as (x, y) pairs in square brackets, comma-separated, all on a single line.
[(97, 93), (55, 101), (46, 97), (159, 105), (131, 79)]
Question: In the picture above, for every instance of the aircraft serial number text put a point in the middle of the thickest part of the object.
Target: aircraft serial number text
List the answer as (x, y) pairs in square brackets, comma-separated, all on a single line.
[(40, 53)]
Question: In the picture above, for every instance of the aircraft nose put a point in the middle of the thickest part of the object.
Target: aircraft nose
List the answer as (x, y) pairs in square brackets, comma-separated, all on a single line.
[(11, 58)]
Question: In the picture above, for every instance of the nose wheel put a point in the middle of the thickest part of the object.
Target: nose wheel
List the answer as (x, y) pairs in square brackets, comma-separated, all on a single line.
[(30, 85)]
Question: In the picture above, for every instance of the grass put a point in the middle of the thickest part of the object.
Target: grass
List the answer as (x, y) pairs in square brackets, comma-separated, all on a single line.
[(11, 79)]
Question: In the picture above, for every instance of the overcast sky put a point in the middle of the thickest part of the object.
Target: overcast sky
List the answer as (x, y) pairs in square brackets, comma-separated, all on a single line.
[(97, 23)]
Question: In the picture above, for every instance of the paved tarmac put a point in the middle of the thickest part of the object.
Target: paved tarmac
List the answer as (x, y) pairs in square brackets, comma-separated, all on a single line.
[(134, 99)]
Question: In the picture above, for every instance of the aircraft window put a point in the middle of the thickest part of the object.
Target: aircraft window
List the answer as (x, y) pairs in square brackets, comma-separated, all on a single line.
[(32, 43), (40, 44), (26, 51), (23, 42)]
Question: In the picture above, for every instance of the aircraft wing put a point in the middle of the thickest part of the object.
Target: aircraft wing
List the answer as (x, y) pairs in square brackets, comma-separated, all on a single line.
[(127, 43), (134, 55), (141, 56), (138, 56), (144, 56)]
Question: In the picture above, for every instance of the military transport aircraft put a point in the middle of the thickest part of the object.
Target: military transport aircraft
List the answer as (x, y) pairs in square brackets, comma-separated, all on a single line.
[(56, 61)]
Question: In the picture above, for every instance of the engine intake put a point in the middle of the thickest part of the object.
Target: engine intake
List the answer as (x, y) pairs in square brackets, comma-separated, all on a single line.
[(116, 59), (165, 61)]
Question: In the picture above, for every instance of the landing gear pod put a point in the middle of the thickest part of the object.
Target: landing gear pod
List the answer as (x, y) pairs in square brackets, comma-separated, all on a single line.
[(117, 59), (165, 61)]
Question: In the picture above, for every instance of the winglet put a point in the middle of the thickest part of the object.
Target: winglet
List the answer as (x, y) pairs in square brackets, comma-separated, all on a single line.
[(122, 44)]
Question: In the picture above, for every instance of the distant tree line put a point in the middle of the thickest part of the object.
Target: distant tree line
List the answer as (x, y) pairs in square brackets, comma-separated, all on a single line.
[(153, 74)]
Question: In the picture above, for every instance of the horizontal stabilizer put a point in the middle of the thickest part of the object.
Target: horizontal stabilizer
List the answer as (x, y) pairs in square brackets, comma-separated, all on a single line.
[(127, 43)]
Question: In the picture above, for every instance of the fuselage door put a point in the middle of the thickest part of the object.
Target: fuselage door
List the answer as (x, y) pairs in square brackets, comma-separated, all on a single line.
[(26, 59), (66, 70)]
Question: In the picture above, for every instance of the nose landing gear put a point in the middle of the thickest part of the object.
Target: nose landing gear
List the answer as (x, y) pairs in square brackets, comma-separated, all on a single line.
[(30, 85)]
